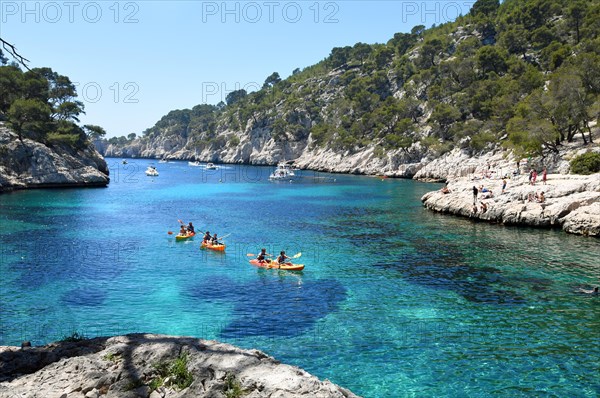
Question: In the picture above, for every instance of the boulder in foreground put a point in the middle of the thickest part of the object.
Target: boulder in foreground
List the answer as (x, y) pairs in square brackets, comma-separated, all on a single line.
[(153, 366)]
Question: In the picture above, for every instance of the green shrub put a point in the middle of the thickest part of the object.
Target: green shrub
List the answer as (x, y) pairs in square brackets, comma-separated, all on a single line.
[(587, 163), (69, 139), (233, 389), (74, 337), (177, 370), (234, 141), (481, 140)]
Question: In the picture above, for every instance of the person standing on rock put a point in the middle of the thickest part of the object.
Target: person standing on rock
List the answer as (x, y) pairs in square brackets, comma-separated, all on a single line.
[(475, 192), (530, 176), (503, 184), (544, 176), (534, 177)]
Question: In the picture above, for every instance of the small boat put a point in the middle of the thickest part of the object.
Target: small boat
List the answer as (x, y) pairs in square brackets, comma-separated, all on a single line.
[(163, 160), (195, 164), (124, 161), (276, 265), (210, 246), (184, 237), (283, 172), (151, 171), (211, 166)]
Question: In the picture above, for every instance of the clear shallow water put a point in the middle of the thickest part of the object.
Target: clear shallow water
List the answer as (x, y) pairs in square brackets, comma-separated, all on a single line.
[(395, 301)]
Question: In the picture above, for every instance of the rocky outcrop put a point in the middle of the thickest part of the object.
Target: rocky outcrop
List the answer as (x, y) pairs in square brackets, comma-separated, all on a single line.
[(134, 366), (571, 202), (31, 164), (258, 148)]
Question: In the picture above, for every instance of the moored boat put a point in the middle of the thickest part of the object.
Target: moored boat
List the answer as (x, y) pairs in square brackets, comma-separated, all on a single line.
[(151, 171), (211, 166), (283, 172), (195, 164)]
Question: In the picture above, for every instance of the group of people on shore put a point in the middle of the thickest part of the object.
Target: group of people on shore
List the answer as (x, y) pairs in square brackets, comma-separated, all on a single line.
[(537, 197), (483, 205), (533, 174)]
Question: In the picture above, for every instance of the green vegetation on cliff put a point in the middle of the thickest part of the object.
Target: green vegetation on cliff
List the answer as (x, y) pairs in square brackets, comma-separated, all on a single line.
[(42, 105), (522, 73)]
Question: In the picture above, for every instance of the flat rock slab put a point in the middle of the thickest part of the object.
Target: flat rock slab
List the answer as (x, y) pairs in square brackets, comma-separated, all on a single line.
[(125, 367), (572, 202)]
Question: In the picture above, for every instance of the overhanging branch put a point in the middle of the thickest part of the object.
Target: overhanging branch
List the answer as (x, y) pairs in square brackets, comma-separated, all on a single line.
[(12, 50)]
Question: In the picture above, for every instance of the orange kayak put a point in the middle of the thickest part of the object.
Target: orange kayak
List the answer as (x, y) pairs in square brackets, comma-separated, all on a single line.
[(218, 248), (276, 265), (184, 237)]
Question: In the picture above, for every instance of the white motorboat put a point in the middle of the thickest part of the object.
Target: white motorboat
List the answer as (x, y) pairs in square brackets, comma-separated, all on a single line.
[(283, 172), (195, 164), (211, 166), (151, 171)]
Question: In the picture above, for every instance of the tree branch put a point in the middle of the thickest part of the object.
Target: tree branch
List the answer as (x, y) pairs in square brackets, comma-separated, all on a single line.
[(12, 50)]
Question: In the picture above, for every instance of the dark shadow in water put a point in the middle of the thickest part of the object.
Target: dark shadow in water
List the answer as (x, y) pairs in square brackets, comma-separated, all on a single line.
[(85, 296), (48, 257), (272, 306), (476, 284)]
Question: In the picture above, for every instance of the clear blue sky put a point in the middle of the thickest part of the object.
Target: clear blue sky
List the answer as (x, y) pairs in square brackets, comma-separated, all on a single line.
[(134, 61)]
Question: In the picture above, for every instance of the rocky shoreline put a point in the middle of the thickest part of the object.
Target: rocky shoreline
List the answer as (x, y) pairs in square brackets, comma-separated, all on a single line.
[(140, 365), (31, 164), (572, 202)]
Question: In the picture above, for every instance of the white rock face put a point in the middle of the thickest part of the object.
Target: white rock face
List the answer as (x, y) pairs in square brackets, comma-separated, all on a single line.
[(572, 202), (125, 366), (30, 164)]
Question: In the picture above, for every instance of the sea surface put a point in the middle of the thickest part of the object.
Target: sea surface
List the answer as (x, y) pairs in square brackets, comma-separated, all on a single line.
[(394, 300)]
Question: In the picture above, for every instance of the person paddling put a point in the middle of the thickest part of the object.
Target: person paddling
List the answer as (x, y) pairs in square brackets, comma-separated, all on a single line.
[(190, 228), (182, 231), (215, 240), (262, 256), (206, 237), (282, 257)]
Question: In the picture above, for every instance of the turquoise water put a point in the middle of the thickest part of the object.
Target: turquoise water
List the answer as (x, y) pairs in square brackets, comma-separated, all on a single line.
[(395, 301)]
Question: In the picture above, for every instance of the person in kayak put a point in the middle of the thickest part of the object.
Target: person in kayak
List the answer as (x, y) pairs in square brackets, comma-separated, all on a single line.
[(206, 237), (182, 231), (262, 256), (282, 257), (190, 228), (215, 240)]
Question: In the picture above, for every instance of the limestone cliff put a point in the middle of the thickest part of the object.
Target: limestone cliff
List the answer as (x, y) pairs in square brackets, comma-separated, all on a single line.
[(30, 164)]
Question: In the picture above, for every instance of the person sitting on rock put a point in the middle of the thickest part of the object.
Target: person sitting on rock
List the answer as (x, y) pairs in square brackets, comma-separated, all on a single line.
[(474, 210), (541, 198), (483, 207)]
